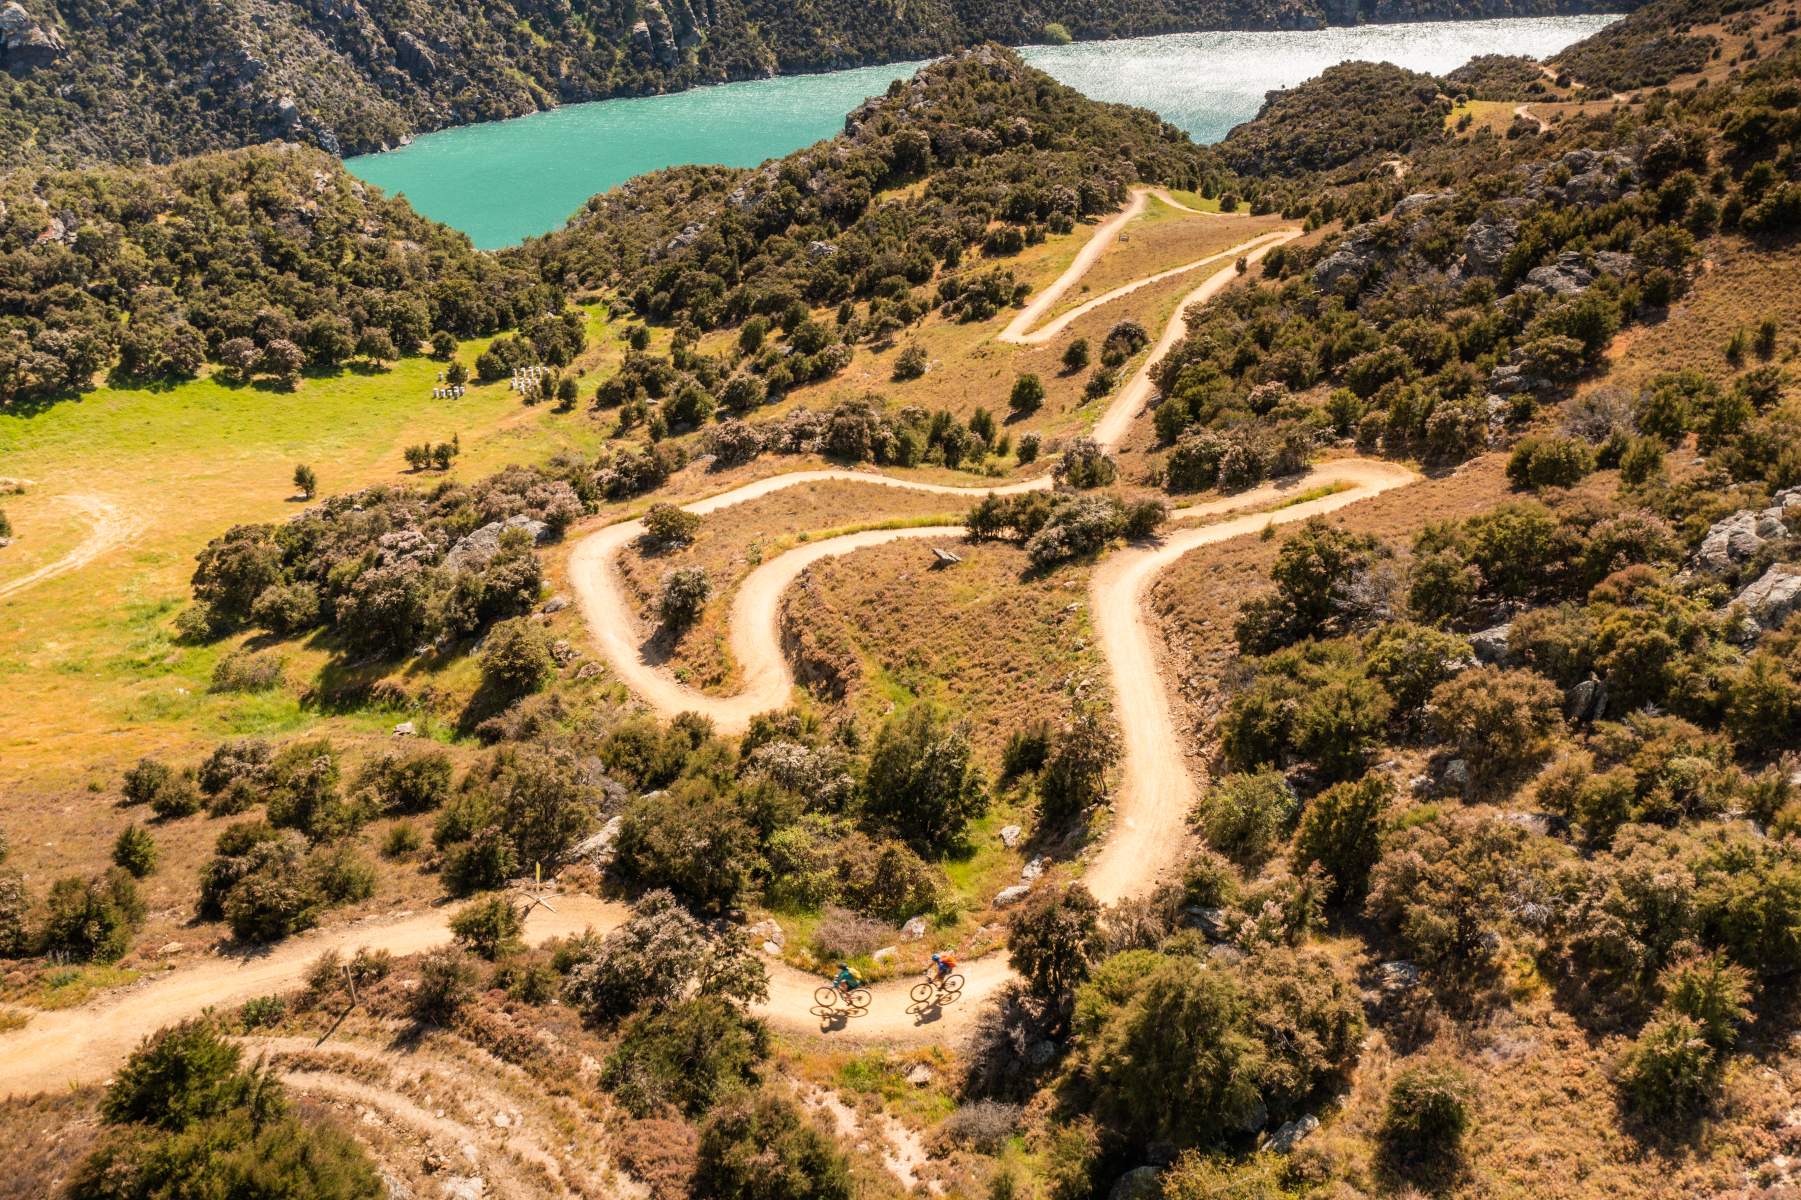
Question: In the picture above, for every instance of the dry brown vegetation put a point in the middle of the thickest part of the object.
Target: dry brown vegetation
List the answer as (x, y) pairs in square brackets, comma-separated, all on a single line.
[(983, 637)]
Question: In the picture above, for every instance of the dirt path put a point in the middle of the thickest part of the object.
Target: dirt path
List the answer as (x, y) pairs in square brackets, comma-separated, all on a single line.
[(1015, 334), (1104, 236), (1156, 791), (1125, 406), (83, 1045), (110, 527), (1524, 112)]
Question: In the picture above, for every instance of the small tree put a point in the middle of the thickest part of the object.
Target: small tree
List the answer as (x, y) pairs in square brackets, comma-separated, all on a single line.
[(1076, 356), (1075, 769), (239, 357), (489, 928), (376, 345), (1427, 1113), (1028, 394), (284, 360), (922, 780), (683, 595), (1052, 940), (671, 526), (135, 851), (306, 480), (456, 374), (516, 659)]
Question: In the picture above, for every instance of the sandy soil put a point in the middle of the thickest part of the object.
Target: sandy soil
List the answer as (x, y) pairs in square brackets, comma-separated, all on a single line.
[(110, 527)]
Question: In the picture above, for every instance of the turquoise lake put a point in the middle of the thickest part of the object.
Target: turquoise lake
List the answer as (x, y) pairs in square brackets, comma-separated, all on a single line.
[(504, 181)]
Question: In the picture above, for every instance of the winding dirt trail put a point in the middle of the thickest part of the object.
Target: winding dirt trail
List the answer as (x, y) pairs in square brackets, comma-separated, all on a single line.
[(83, 1045), (1524, 113), (110, 527), (1125, 406)]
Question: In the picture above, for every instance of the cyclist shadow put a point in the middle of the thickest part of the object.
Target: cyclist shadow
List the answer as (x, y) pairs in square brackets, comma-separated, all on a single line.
[(835, 1020), (925, 1012)]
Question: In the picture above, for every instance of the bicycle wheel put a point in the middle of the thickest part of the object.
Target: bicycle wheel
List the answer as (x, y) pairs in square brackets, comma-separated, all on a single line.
[(859, 998), (826, 997), (952, 985), (921, 992)]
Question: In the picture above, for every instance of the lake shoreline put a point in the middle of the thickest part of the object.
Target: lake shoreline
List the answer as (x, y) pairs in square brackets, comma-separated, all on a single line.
[(501, 182)]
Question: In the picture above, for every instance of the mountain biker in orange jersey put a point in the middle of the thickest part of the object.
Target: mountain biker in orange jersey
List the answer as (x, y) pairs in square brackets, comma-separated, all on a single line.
[(942, 965)]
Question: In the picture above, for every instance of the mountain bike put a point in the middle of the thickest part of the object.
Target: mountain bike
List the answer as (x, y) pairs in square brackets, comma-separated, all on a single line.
[(855, 1000), (941, 992)]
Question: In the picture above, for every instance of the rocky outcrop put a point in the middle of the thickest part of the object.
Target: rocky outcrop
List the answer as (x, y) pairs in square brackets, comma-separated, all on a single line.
[(1588, 178), (414, 56), (1573, 273), (1770, 601), (27, 44), (478, 547), (1737, 539), (1487, 242)]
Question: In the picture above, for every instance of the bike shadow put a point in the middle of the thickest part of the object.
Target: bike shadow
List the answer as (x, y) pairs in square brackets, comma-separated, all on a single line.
[(835, 1020), (926, 1012)]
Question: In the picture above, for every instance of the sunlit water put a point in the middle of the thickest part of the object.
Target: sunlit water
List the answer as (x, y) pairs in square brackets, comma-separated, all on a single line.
[(504, 181)]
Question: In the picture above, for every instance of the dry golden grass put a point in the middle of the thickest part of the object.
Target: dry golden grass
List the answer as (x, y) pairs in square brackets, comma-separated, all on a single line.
[(1744, 284), (983, 638), (970, 369), (733, 541)]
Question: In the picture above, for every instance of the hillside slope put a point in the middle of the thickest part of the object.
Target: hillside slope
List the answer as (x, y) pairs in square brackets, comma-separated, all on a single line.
[(124, 80)]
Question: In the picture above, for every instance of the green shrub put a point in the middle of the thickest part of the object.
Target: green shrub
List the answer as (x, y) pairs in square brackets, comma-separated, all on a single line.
[(91, 920), (1500, 722), (1671, 1071), (1028, 394), (761, 1146), (145, 780), (1246, 816), (135, 851), (516, 659), (489, 928), (1540, 462), (682, 595), (1341, 830), (1427, 1113), (261, 1012), (406, 781), (669, 525), (910, 363), (243, 671), (446, 984), (402, 840), (177, 1075), (692, 1056)]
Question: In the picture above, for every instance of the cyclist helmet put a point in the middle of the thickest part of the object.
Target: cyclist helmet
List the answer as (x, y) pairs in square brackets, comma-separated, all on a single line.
[(936, 958)]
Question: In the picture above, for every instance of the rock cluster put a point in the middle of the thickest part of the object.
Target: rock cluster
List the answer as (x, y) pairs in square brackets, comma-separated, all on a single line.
[(1738, 538), (26, 43)]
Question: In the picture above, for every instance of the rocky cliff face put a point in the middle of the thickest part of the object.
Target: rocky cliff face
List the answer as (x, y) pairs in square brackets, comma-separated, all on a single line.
[(27, 44)]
